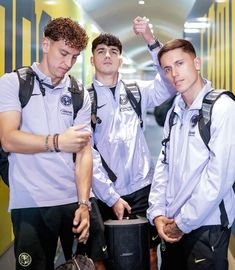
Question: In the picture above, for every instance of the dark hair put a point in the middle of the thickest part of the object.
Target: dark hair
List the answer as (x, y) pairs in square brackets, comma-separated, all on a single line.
[(107, 39), (68, 30), (184, 44)]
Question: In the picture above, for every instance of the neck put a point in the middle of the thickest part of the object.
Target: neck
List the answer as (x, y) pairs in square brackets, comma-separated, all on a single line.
[(107, 80), (44, 69), (195, 89)]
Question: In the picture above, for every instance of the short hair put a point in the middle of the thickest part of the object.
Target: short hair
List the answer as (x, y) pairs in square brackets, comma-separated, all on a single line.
[(107, 39), (183, 44), (68, 30)]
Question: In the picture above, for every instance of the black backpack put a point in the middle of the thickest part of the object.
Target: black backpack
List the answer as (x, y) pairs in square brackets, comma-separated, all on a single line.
[(134, 96), (204, 123), (27, 78)]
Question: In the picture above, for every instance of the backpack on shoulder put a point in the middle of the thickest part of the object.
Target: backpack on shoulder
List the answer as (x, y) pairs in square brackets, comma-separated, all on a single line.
[(27, 77), (204, 123), (134, 96)]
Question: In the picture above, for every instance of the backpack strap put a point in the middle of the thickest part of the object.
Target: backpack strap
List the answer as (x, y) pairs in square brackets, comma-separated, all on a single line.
[(166, 140), (94, 119), (93, 97), (26, 83), (134, 96), (77, 94), (204, 124), (204, 120)]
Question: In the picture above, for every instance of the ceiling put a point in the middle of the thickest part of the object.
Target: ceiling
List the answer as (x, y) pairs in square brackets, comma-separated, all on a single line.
[(116, 16)]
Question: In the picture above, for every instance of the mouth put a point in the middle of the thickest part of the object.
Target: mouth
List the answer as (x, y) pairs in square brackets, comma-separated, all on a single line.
[(178, 82)]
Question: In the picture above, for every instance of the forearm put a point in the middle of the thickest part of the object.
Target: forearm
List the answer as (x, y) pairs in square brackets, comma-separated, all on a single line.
[(83, 172), (21, 142)]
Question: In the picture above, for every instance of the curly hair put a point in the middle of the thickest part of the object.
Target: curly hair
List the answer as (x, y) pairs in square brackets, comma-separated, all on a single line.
[(107, 39), (68, 30)]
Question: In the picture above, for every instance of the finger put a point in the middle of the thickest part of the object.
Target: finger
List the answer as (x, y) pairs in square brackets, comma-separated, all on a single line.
[(128, 208), (84, 236), (79, 126)]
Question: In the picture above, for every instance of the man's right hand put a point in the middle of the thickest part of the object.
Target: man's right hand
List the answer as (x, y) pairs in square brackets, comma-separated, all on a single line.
[(119, 208), (141, 27), (74, 139)]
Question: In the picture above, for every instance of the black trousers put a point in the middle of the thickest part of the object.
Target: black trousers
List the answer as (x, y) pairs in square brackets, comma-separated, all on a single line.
[(36, 233), (203, 249)]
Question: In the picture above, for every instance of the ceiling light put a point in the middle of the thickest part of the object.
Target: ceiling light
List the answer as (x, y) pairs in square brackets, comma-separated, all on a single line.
[(191, 30), (202, 19), (196, 25), (141, 2)]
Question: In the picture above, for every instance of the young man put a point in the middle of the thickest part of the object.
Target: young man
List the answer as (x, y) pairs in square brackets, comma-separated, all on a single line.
[(118, 135), (191, 180), (48, 192)]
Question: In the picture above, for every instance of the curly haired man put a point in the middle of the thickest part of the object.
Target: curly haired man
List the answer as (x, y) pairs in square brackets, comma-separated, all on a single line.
[(48, 192)]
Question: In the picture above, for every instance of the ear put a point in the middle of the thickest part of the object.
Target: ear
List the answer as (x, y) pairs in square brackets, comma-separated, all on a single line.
[(92, 61), (120, 61), (197, 63), (45, 44)]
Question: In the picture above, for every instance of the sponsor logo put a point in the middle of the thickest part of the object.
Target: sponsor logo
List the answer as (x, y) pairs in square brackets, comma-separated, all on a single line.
[(104, 248), (24, 259), (199, 260), (99, 107), (65, 112), (154, 237)]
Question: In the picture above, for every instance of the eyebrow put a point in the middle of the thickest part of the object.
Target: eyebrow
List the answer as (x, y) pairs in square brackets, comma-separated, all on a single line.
[(177, 61), (67, 52)]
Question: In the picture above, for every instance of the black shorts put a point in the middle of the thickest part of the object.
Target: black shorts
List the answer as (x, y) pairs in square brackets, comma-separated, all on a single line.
[(203, 248), (95, 247), (138, 202), (36, 233)]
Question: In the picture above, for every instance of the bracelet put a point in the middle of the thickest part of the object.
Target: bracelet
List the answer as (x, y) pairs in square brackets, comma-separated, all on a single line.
[(84, 202), (47, 144), (55, 142)]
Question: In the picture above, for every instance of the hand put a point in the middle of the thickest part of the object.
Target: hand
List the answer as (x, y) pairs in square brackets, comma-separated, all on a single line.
[(161, 224), (173, 231), (141, 27), (74, 139), (119, 208), (81, 223)]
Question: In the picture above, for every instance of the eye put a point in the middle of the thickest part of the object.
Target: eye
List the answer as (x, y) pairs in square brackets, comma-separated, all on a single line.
[(167, 70), (180, 63)]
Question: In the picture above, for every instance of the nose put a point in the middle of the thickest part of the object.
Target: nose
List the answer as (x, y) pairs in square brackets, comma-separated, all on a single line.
[(174, 72), (69, 61), (107, 54)]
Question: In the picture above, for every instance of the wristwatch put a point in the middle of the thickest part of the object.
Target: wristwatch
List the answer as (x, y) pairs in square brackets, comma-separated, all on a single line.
[(155, 45), (85, 202)]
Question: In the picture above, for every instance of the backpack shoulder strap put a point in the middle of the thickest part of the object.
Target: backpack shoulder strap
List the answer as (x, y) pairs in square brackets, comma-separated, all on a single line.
[(77, 94), (166, 140), (134, 96), (93, 97), (26, 81), (204, 120), (204, 124)]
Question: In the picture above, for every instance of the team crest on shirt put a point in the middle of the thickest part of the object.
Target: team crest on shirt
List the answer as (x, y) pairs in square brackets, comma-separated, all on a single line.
[(66, 100), (24, 259), (124, 105)]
